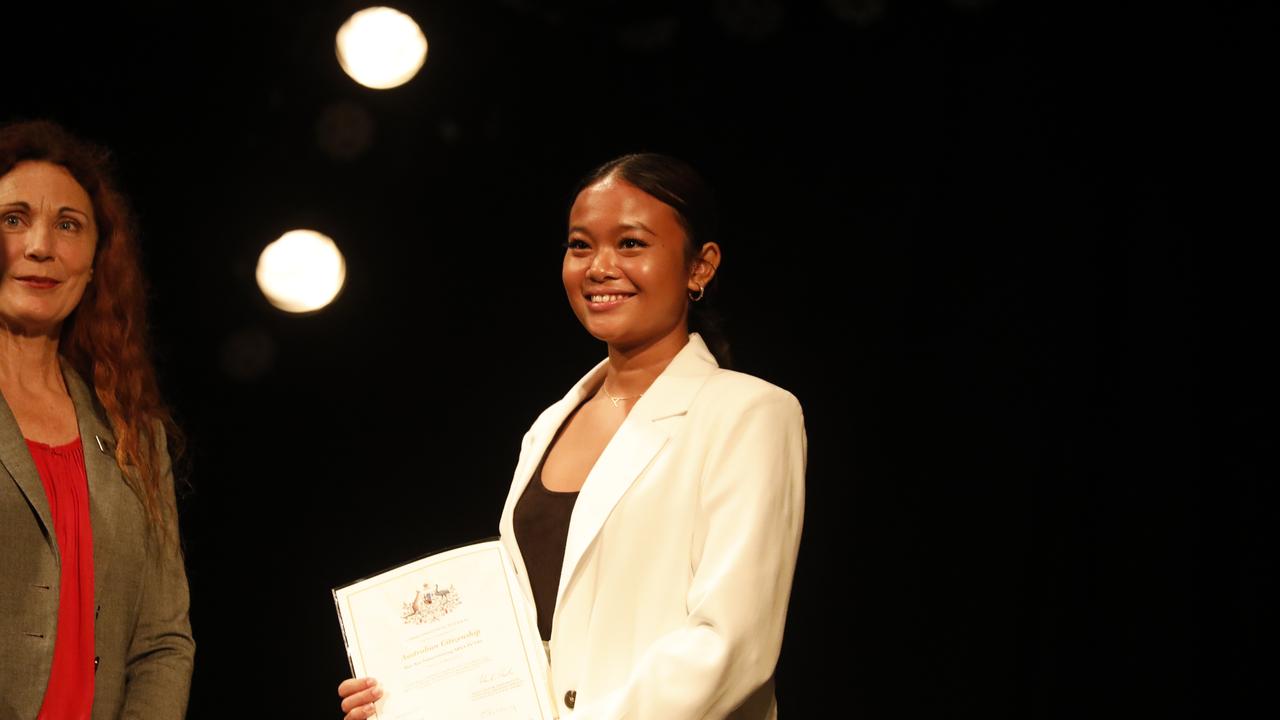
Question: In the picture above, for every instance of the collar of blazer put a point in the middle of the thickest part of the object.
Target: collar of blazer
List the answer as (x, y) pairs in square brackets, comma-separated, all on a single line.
[(99, 464), (644, 432)]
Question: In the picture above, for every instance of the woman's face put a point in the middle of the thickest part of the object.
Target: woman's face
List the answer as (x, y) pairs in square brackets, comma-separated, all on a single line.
[(49, 236), (625, 269)]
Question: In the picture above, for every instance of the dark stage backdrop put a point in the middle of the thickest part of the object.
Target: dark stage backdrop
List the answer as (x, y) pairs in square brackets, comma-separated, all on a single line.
[(970, 236)]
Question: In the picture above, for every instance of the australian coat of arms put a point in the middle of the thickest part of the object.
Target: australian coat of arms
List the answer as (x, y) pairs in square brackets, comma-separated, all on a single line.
[(429, 604)]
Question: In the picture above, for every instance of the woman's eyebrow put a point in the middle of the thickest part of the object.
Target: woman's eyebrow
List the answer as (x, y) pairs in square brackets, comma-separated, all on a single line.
[(24, 205), (636, 224), (633, 225)]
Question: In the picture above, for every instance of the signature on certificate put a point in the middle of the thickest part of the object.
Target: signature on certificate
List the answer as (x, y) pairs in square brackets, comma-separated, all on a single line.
[(495, 677)]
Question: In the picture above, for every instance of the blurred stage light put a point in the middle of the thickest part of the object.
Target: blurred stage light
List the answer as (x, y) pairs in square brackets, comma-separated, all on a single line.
[(750, 19), (344, 130), (301, 272), (859, 12), (649, 35), (381, 48)]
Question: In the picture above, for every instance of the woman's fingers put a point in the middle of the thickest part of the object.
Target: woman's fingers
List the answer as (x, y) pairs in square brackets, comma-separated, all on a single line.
[(353, 685), (358, 696), (364, 712)]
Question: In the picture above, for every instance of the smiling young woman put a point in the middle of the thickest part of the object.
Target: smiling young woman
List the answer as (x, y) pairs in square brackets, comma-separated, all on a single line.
[(655, 514), (85, 479), (629, 269)]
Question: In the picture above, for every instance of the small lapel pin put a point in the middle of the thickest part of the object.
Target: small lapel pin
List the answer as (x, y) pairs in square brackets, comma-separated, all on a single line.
[(102, 444)]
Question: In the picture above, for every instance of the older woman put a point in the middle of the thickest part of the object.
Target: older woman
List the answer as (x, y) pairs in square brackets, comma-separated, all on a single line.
[(93, 606)]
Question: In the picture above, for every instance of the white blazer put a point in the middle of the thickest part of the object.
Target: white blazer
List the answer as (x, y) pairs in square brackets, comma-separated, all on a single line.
[(681, 548)]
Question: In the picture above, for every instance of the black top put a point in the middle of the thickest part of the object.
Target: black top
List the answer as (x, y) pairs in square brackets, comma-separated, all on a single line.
[(541, 523)]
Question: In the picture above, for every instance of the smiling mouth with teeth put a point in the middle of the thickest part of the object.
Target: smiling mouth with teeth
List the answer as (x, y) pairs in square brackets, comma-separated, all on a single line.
[(606, 298)]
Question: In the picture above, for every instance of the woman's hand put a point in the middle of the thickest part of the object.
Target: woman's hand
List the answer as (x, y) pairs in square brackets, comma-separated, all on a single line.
[(357, 696)]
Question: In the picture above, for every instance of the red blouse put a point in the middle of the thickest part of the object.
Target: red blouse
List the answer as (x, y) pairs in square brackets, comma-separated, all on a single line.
[(70, 691)]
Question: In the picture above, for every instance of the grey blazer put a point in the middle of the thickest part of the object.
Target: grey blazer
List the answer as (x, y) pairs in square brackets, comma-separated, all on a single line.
[(142, 636)]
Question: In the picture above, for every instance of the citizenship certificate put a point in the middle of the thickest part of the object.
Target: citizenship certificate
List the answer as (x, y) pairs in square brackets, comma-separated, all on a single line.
[(447, 636)]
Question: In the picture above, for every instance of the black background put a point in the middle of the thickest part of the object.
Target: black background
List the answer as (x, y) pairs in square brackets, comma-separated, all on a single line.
[(1004, 255)]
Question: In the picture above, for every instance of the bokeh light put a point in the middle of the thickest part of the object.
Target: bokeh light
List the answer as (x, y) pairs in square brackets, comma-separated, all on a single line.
[(302, 271), (381, 48)]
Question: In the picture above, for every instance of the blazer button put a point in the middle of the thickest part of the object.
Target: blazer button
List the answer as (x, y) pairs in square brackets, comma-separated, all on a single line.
[(569, 698), (95, 663)]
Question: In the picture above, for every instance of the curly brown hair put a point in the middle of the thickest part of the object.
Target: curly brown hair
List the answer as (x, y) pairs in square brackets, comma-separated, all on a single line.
[(105, 337)]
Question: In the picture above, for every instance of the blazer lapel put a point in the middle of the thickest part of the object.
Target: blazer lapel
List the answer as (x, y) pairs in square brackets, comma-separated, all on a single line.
[(633, 447), (104, 477), (540, 436), (16, 457)]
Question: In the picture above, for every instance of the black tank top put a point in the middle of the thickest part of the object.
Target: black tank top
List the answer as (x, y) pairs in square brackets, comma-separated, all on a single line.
[(541, 523)]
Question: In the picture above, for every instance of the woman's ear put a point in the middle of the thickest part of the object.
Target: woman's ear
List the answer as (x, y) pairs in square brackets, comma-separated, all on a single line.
[(705, 266)]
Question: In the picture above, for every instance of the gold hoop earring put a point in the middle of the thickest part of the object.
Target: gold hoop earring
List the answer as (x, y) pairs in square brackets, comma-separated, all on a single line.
[(701, 292)]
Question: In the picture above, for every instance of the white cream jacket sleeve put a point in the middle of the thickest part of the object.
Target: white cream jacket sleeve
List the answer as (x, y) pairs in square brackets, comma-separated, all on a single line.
[(743, 555)]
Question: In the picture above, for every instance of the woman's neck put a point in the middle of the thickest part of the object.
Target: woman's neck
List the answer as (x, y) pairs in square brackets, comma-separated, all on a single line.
[(632, 370), (29, 362)]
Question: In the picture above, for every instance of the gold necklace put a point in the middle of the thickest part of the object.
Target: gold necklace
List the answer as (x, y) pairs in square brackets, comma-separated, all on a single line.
[(615, 399)]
